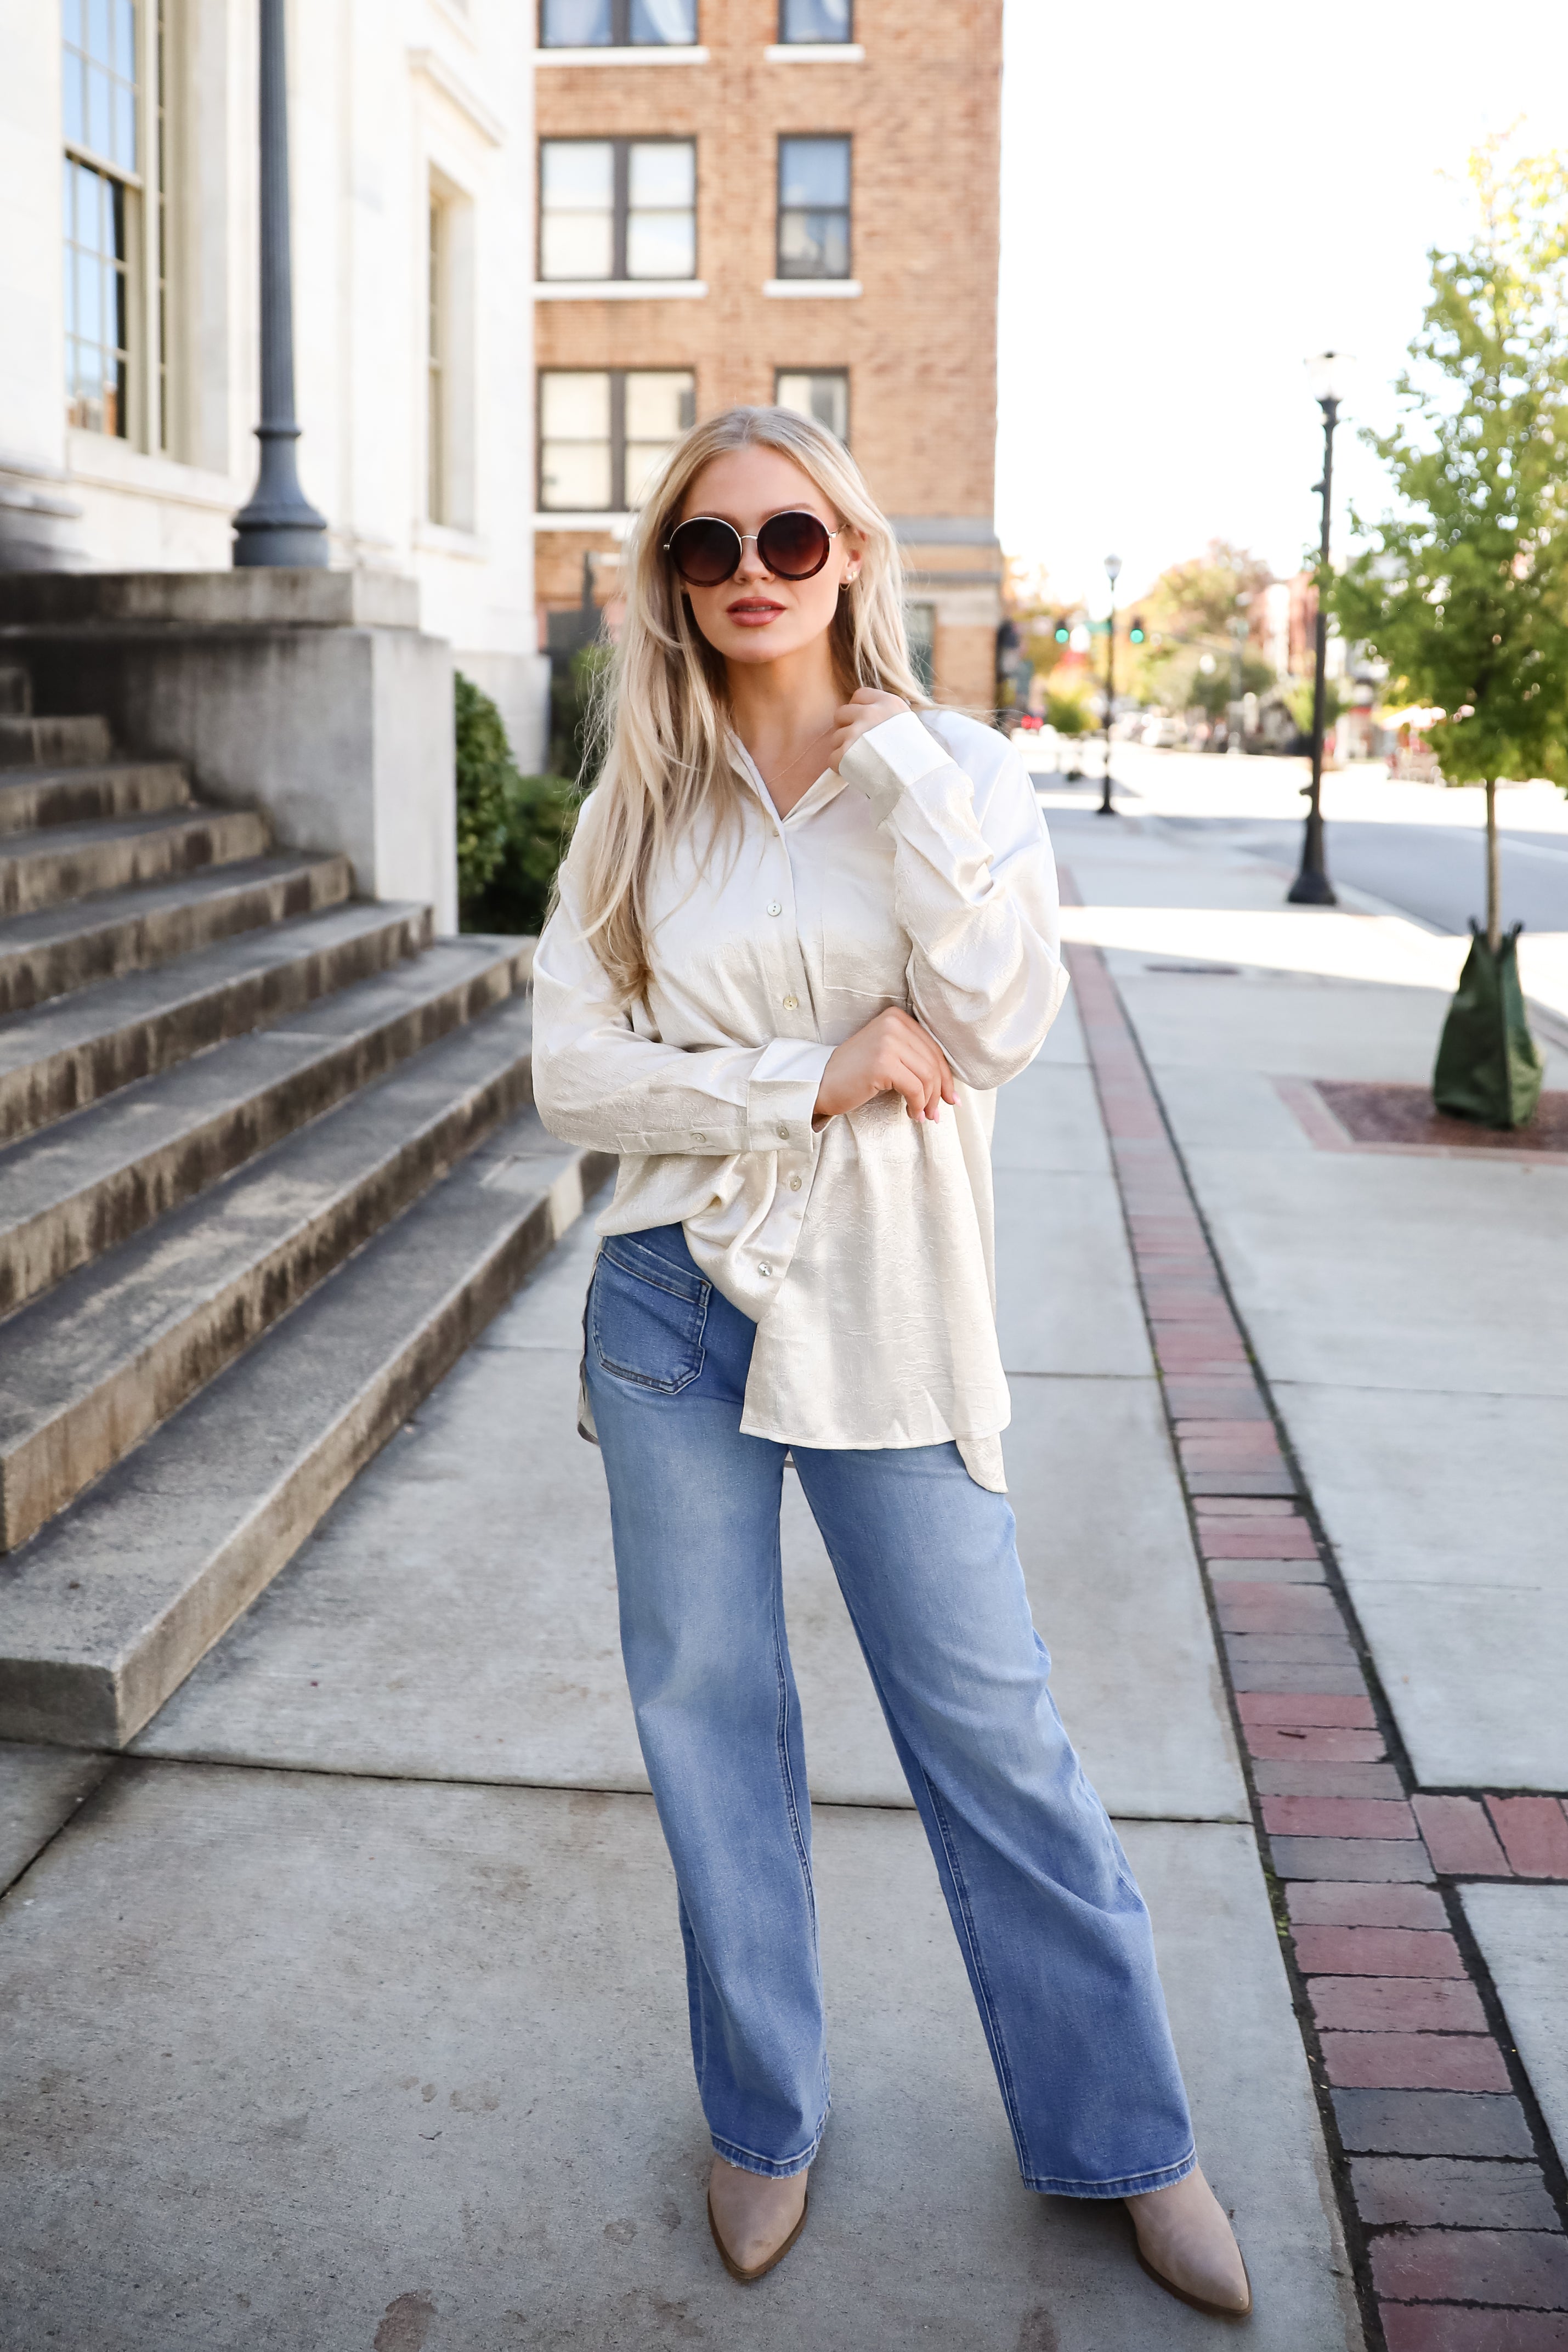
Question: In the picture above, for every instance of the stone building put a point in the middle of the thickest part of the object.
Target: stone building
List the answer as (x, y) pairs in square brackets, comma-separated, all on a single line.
[(760, 200), (127, 274)]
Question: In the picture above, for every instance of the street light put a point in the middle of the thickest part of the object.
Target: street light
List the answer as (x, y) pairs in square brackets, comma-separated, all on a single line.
[(279, 525), (1311, 886), (1112, 571)]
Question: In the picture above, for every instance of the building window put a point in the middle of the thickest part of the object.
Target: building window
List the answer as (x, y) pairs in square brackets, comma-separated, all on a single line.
[(920, 627), (604, 432), (102, 185), (822, 392), (813, 208), (617, 209), (816, 20), (618, 24), (436, 389)]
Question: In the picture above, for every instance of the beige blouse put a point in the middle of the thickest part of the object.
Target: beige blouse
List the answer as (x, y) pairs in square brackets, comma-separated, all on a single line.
[(923, 878)]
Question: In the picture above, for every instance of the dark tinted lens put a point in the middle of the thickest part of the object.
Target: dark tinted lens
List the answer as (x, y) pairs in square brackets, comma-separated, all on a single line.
[(794, 546), (704, 551)]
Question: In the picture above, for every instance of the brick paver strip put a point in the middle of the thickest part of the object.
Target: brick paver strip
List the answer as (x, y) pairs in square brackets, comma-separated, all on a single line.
[(1415, 2061), (1457, 2242), (1376, 1952), (1451, 2193), (1534, 1834), (1366, 1906), (1525, 2267), (1461, 1838), (1447, 2328), (1430, 2123), (1396, 2004)]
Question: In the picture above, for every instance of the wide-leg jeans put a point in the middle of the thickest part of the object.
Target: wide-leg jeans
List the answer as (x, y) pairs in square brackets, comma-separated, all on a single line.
[(1053, 1928)]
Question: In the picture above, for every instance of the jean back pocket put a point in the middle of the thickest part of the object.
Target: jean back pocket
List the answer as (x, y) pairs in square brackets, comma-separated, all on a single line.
[(646, 1316)]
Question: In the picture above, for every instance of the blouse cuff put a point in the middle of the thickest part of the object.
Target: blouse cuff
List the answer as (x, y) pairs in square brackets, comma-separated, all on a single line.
[(782, 1094), (886, 759)]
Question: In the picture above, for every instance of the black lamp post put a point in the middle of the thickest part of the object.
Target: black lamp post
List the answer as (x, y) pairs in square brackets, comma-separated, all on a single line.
[(1311, 886), (1113, 573), (279, 525)]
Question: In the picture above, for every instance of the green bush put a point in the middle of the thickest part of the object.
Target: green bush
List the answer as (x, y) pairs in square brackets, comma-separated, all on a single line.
[(1066, 714), (540, 812), (512, 830), (485, 770)]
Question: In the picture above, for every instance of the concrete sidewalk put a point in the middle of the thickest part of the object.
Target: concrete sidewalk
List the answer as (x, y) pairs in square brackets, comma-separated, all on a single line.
[(350, 2010)]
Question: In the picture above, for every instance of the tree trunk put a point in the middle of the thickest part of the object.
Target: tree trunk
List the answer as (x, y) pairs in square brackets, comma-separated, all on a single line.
[(1494, 876)]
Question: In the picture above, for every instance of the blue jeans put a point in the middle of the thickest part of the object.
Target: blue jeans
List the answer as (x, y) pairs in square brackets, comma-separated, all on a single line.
[(1053, 1928)]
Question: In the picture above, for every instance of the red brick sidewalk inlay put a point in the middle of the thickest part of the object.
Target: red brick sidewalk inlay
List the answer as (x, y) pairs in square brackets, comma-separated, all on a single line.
[(1452, 2191)]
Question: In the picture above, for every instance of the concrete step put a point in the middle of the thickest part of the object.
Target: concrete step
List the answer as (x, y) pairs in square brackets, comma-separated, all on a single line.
[(90, 1369), (58, 949), (108, 1608), (29, 742), (63, 1055), (16, 691), (71, 861), (89, 1183), (30, 797)]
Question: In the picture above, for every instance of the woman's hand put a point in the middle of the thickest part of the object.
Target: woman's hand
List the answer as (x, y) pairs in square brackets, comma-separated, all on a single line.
[(891, 1054), (866, 709)]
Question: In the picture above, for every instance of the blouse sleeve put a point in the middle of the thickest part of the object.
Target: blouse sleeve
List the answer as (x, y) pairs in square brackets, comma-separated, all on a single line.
[(598, 1082), (974, 888)]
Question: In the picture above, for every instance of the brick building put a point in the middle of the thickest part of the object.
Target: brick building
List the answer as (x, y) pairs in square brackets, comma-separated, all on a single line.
[(760, 200)]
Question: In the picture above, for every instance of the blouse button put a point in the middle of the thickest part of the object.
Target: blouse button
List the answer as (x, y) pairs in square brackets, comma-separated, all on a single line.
[(698, 1137), (792, 1003), (784, 1131), (794, 1183), (774, 908), (765, 1271)]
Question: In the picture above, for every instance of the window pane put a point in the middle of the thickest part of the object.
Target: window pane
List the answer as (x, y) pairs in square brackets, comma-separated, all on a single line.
[(97, 31), (74, 104), (660, 244), (577, 244), (99, 113), (71, 22), (663, 171), (575, 474), (661, 22), (574, 405), (825, 396), (660, 404), (814, 245), (920, 622), (123, 151), (813, 171), (578, 171), (816, 20), (575, 24)]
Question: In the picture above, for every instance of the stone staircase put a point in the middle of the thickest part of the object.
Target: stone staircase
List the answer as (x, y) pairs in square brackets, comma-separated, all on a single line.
[(267, 1162)]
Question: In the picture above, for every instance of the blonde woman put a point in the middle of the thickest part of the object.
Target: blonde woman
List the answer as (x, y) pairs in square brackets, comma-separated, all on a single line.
[(807, 926)]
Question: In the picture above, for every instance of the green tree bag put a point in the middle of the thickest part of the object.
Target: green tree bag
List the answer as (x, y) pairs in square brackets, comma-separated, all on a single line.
[(1488, 1065)]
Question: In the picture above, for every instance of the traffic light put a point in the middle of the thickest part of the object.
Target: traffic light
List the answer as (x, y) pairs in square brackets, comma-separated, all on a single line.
[(1064, 630), (1136, 634)]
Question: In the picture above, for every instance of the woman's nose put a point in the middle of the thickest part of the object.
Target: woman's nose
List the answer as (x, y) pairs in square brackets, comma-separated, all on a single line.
[(751, 566)]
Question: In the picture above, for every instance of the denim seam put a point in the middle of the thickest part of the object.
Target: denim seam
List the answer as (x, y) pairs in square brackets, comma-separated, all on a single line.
[(698, 1298), (752, 2157), (781, 1739), (993, 2023)]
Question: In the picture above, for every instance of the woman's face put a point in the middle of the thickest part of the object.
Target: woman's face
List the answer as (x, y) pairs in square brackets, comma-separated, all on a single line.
[(755, 616)]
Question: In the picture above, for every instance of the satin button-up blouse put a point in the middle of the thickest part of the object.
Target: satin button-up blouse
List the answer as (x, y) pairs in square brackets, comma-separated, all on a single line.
[(863, 1251)]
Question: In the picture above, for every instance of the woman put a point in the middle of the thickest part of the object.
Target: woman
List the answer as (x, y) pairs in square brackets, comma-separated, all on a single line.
[(807, 926)]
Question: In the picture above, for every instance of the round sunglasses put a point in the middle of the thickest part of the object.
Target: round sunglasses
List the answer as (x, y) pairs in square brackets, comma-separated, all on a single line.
[(793, 546)]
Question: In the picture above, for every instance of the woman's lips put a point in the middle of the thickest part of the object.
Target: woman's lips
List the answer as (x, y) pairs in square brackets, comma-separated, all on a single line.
[(755, 613)]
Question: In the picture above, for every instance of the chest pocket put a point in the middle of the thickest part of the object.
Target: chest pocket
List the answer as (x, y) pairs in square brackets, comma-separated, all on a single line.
[(865, 949)]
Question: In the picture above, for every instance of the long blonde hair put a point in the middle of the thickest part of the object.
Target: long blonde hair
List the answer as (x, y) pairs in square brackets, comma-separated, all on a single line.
[(661, 720)]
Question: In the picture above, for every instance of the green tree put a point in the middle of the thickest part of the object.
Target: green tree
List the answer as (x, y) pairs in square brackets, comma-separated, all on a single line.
[(1188, 612), (1464, 589)]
